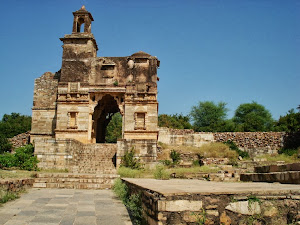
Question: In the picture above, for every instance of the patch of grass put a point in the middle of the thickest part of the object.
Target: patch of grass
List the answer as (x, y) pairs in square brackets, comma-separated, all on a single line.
[(209, 150), (161, 173), (280, 157), (16, 174), (130, 173), (180, 172), (6, 196), (289, 152), (200, 217)]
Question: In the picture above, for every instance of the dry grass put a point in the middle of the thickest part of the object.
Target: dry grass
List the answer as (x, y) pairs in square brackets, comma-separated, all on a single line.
[(209, 150), (196, 169), (280, 157), (16, 174)]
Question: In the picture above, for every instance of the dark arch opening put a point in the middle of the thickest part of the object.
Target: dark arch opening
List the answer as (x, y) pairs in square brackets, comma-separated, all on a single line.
[(79, 23), (103, 113)]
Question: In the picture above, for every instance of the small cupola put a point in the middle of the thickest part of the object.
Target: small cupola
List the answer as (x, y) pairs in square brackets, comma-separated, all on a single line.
[(82, 21)]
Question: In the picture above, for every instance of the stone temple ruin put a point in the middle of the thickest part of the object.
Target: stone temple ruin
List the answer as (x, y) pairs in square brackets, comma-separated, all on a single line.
[(72, 108)]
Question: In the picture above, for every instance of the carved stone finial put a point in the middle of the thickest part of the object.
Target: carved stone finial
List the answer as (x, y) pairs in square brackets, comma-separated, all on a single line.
[(82, 7)]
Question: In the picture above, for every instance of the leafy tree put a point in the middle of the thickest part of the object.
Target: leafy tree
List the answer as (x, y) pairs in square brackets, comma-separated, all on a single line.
[(14, 124), (208, 116), (114, 129), (289, 123), (252, 117), (5, 146), (176, 121)]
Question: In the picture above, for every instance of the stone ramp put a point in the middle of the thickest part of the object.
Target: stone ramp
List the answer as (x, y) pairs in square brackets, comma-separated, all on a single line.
[(74, 181), (285, 174)]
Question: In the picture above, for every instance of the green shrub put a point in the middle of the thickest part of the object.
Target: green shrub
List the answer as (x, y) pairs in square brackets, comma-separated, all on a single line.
[(166, 162), (128, 160), (5, 145), (175, 156), (7, 160), (197, 162), (23, 158), (133, 202), (161, 173), (120, 189), (234, 147), (288, 152)]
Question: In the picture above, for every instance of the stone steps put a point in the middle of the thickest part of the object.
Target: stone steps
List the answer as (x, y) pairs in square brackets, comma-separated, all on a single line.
[(74, 181), (289, 177), (285, 174)]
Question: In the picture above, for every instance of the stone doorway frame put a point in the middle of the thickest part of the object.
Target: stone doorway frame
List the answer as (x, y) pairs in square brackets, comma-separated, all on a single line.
[(95, 99)]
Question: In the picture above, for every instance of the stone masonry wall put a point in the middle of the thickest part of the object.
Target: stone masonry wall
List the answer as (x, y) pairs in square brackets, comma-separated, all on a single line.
[(75, 156), (255, 143)]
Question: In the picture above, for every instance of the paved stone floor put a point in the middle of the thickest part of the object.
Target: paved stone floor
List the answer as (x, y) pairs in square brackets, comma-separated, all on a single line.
[(65, 207)]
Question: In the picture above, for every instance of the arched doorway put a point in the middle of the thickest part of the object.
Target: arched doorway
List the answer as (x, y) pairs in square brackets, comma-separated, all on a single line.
[(103, 113)]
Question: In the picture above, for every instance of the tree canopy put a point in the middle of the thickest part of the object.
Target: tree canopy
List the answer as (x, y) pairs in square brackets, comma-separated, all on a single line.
[(10, 126), (14, 124), (176, 121), (252, 117), (289, 123), (209, 116)]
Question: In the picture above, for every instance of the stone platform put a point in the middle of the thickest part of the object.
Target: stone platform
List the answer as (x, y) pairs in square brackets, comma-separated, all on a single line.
[(178, 201)]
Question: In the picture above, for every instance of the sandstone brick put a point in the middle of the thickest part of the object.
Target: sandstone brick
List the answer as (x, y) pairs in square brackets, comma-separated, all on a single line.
[(179, 205)]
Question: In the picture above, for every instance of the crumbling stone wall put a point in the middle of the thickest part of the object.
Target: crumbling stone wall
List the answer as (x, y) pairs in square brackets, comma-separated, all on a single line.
[(44, 105), (16, 184), (255, 143), (20, 140)]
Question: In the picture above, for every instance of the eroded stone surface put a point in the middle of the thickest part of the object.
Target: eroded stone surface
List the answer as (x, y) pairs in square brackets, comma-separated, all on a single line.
[(244, 207)]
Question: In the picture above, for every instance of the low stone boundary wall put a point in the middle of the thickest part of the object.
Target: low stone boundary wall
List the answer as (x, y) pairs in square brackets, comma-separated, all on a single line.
[(16, 184), (255, 143)]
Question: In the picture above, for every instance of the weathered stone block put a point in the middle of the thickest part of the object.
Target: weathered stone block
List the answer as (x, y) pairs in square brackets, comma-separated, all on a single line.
[(244, 207), (179, 205)]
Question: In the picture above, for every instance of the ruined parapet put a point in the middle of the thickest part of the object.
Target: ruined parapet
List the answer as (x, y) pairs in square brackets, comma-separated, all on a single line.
[(44, 106)]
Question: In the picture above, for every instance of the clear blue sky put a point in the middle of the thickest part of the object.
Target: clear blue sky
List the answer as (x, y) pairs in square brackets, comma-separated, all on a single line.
[(231, 51)]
